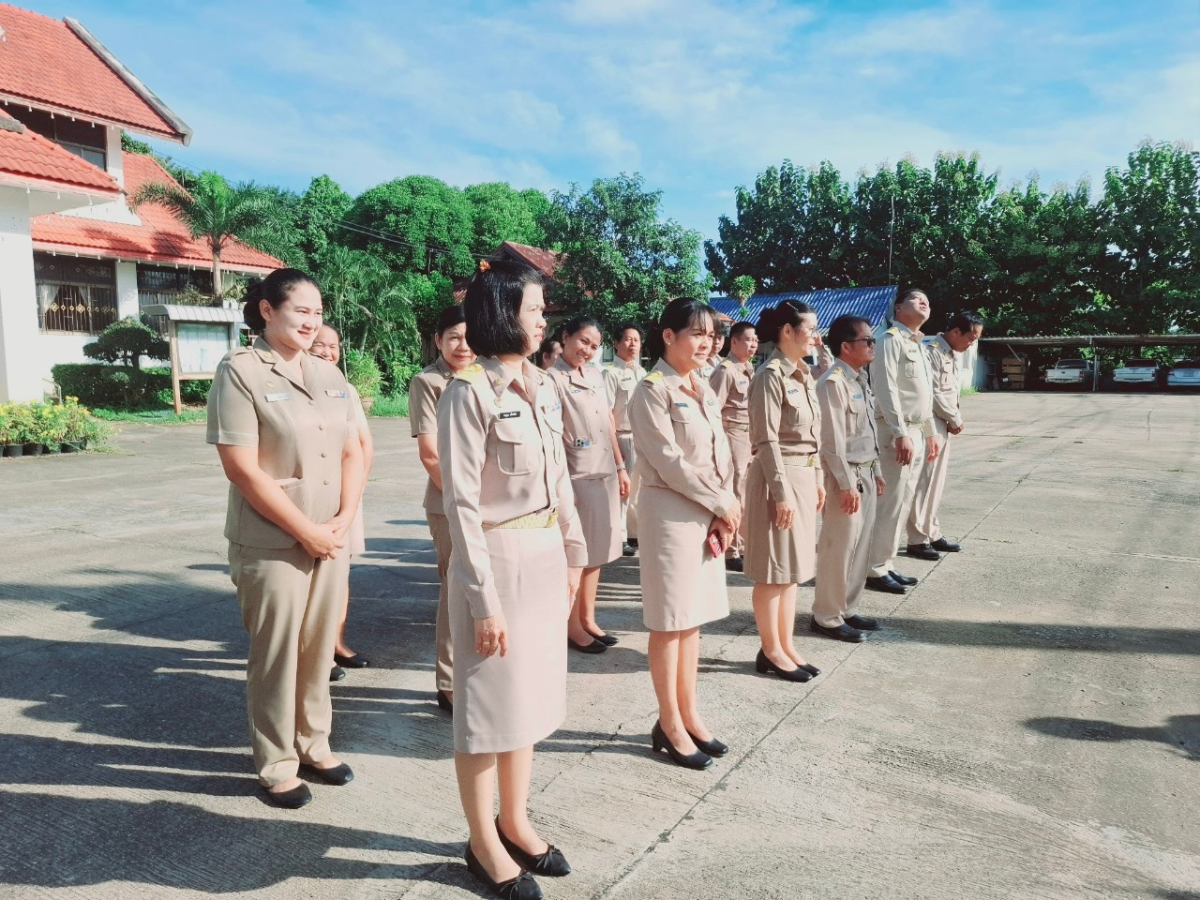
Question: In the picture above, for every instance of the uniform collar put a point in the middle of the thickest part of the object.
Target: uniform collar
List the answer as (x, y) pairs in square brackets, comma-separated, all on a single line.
[(621, 364), (907, 332), (943, 344), (575, 376), (847, 369), (786, 365), (671, 378), (500, 376), (443, 367), (269, 357)]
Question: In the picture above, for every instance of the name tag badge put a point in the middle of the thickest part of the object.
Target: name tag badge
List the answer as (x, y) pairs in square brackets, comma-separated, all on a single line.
[(272, 398), (511, 414), (341, 395), (582, 445), (682, 405), (575, 391)]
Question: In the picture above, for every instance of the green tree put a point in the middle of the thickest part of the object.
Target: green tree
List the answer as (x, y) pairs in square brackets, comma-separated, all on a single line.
[(125, 342), (500, 214), (215, 212), (621, 260), (319, 213)]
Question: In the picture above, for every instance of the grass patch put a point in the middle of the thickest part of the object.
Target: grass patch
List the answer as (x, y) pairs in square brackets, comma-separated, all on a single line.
[(394, 406), (152, 416), (962, 392)]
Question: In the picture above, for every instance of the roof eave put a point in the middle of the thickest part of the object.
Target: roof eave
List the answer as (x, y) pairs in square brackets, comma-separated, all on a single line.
[(156, 258), (183, 133), (48, 185)]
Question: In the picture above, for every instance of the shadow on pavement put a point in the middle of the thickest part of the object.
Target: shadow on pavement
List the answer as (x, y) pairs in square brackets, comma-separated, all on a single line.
[(1181, 733), (1029, 636)]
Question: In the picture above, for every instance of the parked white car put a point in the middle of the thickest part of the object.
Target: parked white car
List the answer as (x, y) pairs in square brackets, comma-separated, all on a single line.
[(1137, 371), (1184, 374), (1077, 372)]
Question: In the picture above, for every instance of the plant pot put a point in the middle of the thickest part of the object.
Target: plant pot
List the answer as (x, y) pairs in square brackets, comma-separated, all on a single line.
[(367, 403), (34, 449), (14, 450)]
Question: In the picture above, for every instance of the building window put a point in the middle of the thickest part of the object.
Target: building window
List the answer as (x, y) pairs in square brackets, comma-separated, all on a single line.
[(85, 139), (75, 295), (162, 285)]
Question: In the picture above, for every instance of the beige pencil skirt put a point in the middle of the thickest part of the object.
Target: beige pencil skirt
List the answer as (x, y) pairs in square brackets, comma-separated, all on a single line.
[(598, 505), (683, 584), (356, 537), (506, 703), (775, 555)]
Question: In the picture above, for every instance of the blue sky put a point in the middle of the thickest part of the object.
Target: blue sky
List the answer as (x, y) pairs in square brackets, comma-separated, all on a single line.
[(698, 96)]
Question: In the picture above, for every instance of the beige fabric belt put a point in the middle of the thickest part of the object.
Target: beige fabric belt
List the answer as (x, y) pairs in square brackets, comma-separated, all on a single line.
[(808, 461), (546, 518)]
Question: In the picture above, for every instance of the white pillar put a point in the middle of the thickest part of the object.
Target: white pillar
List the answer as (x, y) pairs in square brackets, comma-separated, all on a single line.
[(113, 155), (127, 290), (20, 373)]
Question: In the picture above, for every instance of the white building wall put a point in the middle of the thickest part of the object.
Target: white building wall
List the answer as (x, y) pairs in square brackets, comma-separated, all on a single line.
[(115, 210), (20, 365), (127, 290)]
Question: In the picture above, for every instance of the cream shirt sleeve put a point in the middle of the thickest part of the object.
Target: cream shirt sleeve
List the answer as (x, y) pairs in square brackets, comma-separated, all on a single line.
[(568, 521), (945, 386), (422, 407), (232, 418), (766, 409), (884, 372), (834, 412)]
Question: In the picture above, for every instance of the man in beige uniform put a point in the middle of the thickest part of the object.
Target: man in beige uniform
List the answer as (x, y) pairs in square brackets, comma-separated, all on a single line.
[(849, 455), (903, 386), (731, 383), (924, 529), (621, 376)]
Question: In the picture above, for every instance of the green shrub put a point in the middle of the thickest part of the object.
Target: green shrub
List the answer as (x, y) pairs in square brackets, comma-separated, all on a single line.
[(121, 387), (126, 342), (400, 374), (390, 406), (51, 424), (363, 372)]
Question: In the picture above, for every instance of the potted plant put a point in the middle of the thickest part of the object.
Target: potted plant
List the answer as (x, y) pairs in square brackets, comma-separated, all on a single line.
[(74, 419), (8, 427), (742, 289), (364, 373)]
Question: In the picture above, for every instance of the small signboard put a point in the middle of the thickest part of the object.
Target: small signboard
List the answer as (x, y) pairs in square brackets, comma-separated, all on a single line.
[(199, 337)]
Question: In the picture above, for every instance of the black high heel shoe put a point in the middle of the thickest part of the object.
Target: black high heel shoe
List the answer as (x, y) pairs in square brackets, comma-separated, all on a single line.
[(712, 748), (523, 887), (764, 665), (697, 760), (606, 639), (445, 702), (551, 863)]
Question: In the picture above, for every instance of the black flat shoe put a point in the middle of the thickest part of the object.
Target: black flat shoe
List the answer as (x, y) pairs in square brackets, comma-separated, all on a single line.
[(628, 550), (294, 799), (905, 580), (606, 639), (862, 623), (697, 760), (887, 584), (735, 564), (445, 702), (811, 670), (944, 546), (842, 633), (523, 887), (594, 647), (923, 551), (764, 665), (551, 863), (337, 673), (338, 775), (357, 661), (712, 748)]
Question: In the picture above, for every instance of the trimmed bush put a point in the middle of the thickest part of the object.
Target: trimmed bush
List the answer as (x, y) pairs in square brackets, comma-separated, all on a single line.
[(97, 384)]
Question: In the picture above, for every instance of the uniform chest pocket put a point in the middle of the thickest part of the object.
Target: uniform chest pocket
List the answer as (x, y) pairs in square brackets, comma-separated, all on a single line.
[(514, 455), (796, 408), (911, 365)]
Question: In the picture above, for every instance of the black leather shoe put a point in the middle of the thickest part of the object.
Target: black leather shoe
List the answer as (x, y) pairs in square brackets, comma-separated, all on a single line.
[(294, 799), (337, 673), (944, 546), (628, 549), (811, 670), (357, 661), (594, 647), (606, 639), (906, 580), (697, 760), (842, 633), (551, 863), (523, 887), (735, 564), (711, 748), (445, 702), (632, 542), (764, 665), (922, 551), (887, 584), (862, 623), (338, 775)]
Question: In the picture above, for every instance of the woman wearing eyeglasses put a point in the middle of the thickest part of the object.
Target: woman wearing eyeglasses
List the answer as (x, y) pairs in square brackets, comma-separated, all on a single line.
[(784, 489)]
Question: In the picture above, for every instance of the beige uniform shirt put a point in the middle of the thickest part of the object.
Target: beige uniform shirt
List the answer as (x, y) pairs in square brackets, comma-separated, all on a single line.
[(586, 418), (903, 384), (299, 427), (680, 442), (424, 391), (785, 420), (621, 378), (731, 385), (944, 365), (501, 453), (848, 436)]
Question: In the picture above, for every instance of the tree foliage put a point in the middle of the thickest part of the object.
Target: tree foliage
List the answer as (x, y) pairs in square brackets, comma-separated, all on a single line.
[(125, 342), (499, 213)]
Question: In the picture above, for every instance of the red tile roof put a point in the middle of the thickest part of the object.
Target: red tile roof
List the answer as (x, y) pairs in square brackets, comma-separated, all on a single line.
[(29, 160), (59, 66), (160, 238), (545, 260)]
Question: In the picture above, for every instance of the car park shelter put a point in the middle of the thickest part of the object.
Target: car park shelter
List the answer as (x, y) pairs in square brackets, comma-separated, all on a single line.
[(993, 348)]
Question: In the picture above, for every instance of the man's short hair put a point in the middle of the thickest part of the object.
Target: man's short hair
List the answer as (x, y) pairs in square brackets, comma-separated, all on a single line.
[(843, 329), (964, 320)]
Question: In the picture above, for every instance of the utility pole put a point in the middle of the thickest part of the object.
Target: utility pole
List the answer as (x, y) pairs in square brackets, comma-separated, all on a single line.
[(891, 238)]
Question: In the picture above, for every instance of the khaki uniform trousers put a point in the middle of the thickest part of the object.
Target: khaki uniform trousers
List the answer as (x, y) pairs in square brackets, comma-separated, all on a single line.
[(739, 447), (629, 530), (923, 524), (891, 512), (291, 605), (842, 552), (439, 530)]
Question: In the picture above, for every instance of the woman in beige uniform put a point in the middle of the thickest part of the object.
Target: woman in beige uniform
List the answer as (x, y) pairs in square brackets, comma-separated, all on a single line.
[(518, 549), (731, 384), (784, 490), (424, 392), (598, 475), (686, 496), (286, 432)]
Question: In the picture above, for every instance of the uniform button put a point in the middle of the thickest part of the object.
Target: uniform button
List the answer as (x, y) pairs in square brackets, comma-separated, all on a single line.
[(320, 427), (327, 481), (323, 455), (312, 402)]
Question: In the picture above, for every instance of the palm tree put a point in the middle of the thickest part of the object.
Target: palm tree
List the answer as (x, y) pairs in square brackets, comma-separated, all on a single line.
[(214, 211)]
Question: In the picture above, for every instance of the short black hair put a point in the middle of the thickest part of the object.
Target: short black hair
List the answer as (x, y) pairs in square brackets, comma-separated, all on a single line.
[(275, 289), (906, 293), (546, 346), (843, 329), (740, 328), (493, 305), (964, 320), (788, 312), (680, 313), (622, 327), (449, 317), (578, 323)]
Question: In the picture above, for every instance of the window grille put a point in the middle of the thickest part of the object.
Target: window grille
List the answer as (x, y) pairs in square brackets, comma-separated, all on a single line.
[(75, 295)]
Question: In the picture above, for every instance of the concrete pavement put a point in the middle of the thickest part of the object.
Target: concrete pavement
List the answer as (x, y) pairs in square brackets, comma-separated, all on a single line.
[(1025, 726)]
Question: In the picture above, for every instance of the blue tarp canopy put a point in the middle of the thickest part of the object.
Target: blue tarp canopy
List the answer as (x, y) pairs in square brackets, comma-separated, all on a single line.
[(871, 303)]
